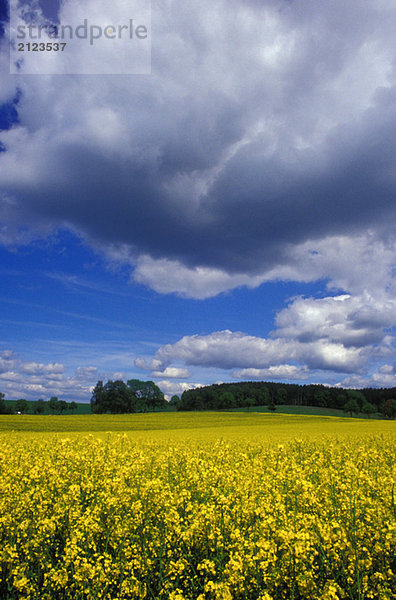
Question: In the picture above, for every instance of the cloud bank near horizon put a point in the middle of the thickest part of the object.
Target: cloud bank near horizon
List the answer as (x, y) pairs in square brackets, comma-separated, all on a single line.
[(344, 340)]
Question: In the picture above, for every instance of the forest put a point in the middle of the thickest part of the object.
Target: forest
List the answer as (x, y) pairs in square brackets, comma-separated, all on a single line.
[(251, 394)]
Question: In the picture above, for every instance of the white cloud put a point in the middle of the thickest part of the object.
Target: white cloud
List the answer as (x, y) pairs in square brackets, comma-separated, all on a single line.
[(39, 369), (31, 380), (169, 276), (355, 263), (352, 321), (9, 376), (115, 375), (384, 377), (170, 388), (152, 365), (172, 373), (369, 265), (337, 334), (236, 350), (86, 373), (285, 372), (7, 361)]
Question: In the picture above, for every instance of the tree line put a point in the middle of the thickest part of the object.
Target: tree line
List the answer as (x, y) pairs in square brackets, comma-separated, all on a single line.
[(39, 407), (250, 394), (142, 396)]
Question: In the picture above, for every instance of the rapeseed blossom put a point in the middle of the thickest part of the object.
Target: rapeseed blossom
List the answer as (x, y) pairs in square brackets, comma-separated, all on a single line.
[(92, 517)]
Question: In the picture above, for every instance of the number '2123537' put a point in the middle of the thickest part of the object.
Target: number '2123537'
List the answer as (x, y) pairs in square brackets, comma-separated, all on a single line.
[(41, 47)]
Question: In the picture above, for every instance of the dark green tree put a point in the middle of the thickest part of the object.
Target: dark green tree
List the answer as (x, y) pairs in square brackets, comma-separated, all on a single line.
[(22, 406), (148, 393), (358, 396), (62, 406), (368, 409), (118, 397), (113, 397), (97, 397), (3, 407), (39, 407), (321, 398), (389, 408), (352, 407), (226, 400), (73, 406), (263, 396), (174, 401), (341, 400), (281, 395), (248, 403), (53, 404)]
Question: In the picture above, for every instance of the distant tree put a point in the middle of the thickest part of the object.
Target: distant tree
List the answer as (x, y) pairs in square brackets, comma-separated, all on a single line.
[(358, 396), (226, 400), (62, 406), (3, 407), (53, 404), (263, 396), (239, 397), (321, 398), (118, 397), (210, 399), (192, 400), (113, 397), (299, 398), (271, 406), (73, 406), (197, 403), (22, 406), (389, 408), (174, 401), (281, 395), (97, 397), (341, 400), (148, 393), (368, 409), (39, 407), (352, 407), (248, 403)]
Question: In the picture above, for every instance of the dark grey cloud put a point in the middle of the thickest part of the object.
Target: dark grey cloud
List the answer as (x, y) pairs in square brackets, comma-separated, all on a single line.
[(49, 9), (262, 127)]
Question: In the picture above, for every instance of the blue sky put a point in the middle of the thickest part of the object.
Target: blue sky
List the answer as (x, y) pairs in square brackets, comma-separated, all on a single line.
[(228, 217)]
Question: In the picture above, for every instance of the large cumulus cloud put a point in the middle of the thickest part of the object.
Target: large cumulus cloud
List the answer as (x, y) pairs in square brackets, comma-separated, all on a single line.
[(339, 339), (231, 350)]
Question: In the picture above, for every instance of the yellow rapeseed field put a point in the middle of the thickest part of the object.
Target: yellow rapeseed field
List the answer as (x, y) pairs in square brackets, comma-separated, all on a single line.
[(198, 507)]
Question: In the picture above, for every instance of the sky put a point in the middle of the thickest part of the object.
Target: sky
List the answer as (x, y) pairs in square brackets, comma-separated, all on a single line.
[(227, 216)]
